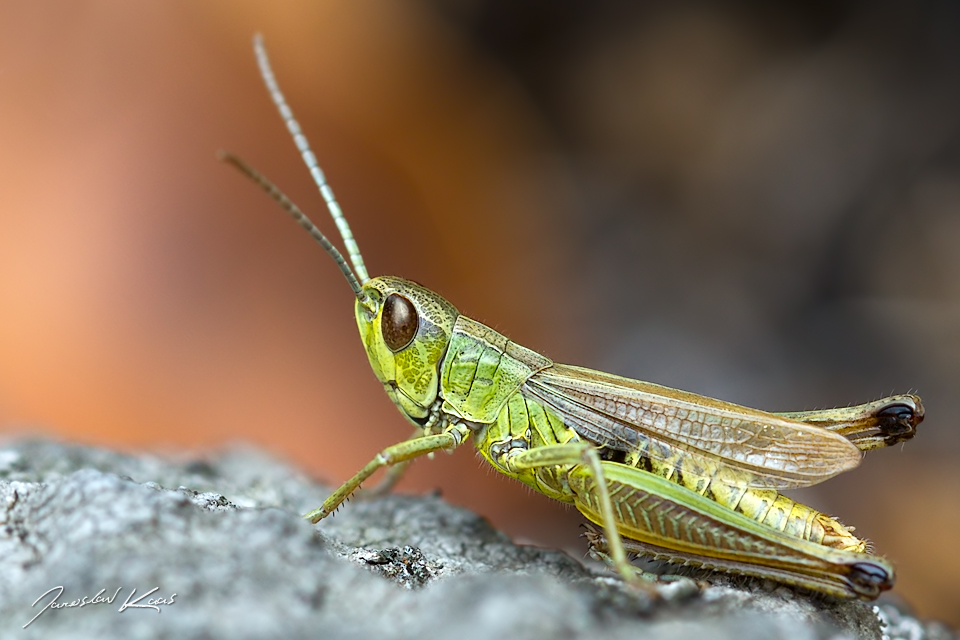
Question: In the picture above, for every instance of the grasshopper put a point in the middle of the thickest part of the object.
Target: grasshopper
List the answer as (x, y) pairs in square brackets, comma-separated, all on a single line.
[(661, 472)]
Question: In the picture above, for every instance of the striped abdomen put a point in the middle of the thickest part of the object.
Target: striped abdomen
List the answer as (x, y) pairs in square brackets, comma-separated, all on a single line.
[(723, 485)]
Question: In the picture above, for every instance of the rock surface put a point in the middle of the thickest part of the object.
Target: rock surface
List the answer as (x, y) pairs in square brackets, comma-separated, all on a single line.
[(223, 533)]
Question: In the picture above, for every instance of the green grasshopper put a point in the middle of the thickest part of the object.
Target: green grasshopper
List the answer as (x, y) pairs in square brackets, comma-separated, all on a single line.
[(666, 473)]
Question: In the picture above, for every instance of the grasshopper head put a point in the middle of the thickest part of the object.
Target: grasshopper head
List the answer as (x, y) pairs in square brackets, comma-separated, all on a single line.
[(405, 329)]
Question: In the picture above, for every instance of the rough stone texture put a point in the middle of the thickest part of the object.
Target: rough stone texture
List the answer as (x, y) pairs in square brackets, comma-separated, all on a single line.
[(224, 534)]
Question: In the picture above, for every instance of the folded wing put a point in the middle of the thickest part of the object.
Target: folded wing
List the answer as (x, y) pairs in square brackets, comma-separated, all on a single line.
[(667, 425)]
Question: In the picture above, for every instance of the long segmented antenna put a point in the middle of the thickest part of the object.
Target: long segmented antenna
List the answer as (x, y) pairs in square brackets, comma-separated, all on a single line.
[(280, 198), (266, 72)]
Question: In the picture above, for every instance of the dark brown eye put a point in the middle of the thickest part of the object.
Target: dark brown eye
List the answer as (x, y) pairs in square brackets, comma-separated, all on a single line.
[(399, 322)]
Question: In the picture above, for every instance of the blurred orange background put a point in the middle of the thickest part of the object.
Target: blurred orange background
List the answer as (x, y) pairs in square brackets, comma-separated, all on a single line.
[(753, 203)]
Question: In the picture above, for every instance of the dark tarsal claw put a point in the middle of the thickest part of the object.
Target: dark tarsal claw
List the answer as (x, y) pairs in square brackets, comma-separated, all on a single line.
[(869, 579), (898, 421)]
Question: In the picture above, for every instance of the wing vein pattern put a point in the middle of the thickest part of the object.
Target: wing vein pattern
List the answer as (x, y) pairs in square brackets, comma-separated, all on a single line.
[(666, 425)]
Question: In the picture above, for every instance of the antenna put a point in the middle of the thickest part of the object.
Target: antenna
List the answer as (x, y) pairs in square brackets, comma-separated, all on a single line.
[(266, 72), (280, 198)]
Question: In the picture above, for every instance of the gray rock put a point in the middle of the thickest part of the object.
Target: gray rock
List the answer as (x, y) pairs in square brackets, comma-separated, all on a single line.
[(224, 535)]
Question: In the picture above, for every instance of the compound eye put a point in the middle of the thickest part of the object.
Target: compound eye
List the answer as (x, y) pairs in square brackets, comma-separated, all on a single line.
[(399, 322)]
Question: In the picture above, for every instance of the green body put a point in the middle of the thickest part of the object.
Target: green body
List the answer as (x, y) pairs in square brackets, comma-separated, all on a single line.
[(458, 379), (667, 473)]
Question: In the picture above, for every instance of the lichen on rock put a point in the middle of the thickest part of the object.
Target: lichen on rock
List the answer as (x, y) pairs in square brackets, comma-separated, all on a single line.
[(223, 534)]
